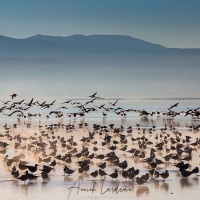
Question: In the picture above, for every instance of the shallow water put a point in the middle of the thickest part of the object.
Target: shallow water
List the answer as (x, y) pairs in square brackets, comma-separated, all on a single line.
[(83, 186)]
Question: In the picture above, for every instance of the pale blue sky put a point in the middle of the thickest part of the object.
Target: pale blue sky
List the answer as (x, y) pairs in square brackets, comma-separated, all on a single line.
[(172, 23)]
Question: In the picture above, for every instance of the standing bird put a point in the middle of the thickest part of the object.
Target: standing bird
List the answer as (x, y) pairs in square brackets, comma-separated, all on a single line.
[(68, 171), (102, 172), (23, 177), (165, 174), (183, 165), (102, 165), (53, 163), (46, 169), (31, 176), (185, 173), (196, 170), (114, 175), (32, 168), (44, 175), (94, 174), (15, 172)]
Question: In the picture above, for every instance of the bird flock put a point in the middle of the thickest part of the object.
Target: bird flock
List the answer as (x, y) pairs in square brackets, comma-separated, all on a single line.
[(94, 151), (22, 109)]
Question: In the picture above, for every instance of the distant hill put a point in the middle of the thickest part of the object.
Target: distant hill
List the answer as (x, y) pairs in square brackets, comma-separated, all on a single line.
[(80, 45)]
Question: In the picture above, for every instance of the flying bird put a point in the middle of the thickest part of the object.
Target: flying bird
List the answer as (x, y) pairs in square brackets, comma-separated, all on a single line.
[(66, 102), (14, 95), (19, 111), (2, 108), (30, 103), (94, 95), (172, 106), (113, 104)]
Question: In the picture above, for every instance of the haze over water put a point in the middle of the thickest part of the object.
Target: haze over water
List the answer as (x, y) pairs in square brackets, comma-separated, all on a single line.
[(132, 78)]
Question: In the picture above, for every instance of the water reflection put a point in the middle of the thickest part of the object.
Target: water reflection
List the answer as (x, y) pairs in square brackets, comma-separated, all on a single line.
[(142, 190), (185, 182), (57, 178), (164, 186)]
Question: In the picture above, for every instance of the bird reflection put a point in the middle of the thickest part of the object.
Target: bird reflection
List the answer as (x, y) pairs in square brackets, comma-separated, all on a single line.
[(164, 186), (24, 187), (114, 149), (156, 183), (67, 178), (196, 180), (184, 182), (142, 190)]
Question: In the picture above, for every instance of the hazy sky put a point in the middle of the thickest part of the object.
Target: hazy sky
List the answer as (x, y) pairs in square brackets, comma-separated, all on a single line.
[(172, 23)]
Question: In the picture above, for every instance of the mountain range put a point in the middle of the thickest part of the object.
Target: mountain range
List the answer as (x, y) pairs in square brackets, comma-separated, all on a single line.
[(81, 45)]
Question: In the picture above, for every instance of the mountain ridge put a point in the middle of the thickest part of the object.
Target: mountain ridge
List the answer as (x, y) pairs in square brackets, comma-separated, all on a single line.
[(109, 45)]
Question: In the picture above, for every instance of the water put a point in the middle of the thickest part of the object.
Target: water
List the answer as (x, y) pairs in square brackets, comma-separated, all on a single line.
[(82, 186)]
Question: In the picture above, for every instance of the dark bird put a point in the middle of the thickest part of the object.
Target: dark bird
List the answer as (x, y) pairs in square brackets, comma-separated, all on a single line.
[(23, 178), (102, 172), (5, 102), (31, 176), (165, 174), (32, 168), (53, 163), (2, 108), (172, 106), (22, 166), (30, 103), (46, 169), (52, 103), (196, 170), (139, 181), (13, 95), (100, 156), (68, 171), (125, 174), (123, 165), (66, 102), (114, 175), (183, 165), (94, 174), (113, 147), (14, 172), (185, 173), (102, 165), (19, 102), (143, 179), (113, 104), (16, 111), (44, 175), (124, 148), (93, 95)]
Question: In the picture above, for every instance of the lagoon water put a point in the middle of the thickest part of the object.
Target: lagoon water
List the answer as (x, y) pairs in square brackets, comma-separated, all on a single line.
[(82, 186), (131, 77)]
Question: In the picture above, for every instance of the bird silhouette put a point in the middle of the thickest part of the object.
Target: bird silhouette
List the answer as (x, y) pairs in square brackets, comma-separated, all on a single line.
[(174, 105), (113, 104), (93, 95), (23, 177), (94, 174), (14, 95), (114, 175), (68, 171), (32, 168)]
